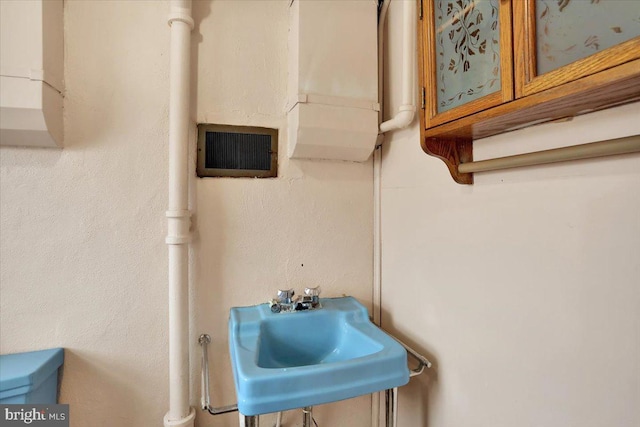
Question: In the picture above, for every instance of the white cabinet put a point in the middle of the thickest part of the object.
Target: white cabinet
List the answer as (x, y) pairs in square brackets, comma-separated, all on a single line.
[(333, 79), (31, 73)]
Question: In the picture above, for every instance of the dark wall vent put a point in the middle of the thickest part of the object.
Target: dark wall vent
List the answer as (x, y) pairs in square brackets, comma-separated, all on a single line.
[(237, 151)]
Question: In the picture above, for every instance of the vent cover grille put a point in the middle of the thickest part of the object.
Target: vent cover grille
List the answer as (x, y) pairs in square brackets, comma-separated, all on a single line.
[(225, 150), (237, 151)]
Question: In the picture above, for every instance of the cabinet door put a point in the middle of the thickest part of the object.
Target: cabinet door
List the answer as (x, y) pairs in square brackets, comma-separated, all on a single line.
[(558, 41), (468, 60)]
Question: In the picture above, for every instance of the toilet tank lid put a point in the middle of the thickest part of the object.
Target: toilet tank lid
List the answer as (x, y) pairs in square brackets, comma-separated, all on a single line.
[(28, 369)]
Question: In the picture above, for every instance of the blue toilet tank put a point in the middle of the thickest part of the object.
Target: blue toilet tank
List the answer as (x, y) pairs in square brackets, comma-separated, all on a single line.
[(30, 377)]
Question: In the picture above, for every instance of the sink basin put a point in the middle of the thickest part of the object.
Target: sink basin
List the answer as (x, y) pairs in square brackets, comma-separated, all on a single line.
[(291, 360)]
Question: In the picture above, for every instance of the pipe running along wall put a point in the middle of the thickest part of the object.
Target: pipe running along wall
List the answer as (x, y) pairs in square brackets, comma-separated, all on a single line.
[(407, 108), (402, 119), (180, 414)]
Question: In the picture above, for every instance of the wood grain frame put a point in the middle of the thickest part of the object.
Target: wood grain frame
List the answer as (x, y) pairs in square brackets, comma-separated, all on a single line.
[(452, 151), (528, 82), (539, 99), (432, 117)]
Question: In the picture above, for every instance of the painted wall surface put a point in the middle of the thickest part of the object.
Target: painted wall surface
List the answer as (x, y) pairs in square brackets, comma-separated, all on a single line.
[(83, 258), (523, 288), (310, 226)]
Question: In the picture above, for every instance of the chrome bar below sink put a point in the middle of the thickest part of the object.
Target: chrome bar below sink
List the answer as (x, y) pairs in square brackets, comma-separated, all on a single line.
[(205, 402), (391, 395), (423, 362)]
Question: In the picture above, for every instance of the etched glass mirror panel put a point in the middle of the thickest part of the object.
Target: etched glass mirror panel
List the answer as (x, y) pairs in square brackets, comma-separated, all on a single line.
[(467, 42), (569, 30)]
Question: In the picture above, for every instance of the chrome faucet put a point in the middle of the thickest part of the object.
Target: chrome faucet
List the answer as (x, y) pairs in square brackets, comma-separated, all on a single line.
[(286, 303)]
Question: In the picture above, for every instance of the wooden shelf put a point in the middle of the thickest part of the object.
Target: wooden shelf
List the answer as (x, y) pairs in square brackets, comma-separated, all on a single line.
[(453, 141), (600, 80)]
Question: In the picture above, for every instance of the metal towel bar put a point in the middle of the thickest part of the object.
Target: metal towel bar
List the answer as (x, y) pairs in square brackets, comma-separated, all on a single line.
[(391, 395), (630, 144)]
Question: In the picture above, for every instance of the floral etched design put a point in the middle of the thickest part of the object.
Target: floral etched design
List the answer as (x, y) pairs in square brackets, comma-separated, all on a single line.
[(569, 30), (467, 40), (564, 3)]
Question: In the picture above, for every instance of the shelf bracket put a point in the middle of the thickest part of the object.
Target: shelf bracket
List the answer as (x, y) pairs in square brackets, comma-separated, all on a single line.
[(453, 152)]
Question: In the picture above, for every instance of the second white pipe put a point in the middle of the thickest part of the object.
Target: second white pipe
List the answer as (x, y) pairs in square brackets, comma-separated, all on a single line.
[(180, 414), (407, 108), (401, 120)]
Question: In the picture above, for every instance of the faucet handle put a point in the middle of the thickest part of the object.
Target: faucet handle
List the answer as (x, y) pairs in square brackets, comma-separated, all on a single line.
[(285, 295), (312, 292)]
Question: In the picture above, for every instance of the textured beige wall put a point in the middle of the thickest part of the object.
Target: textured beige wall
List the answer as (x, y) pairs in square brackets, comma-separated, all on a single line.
[(83, 259), (522, 288), (311, 226)]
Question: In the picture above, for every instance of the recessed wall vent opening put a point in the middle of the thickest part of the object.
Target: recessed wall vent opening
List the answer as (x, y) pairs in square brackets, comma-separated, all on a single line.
[(237, 151)]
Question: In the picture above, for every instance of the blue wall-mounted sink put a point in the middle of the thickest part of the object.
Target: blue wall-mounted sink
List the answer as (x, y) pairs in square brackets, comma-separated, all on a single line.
[(291, 360)]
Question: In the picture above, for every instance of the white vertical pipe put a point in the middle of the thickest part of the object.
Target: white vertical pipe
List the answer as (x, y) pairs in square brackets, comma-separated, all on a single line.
[(377, 268), (382, 19), (407, 109), (377, 158), (402, 119), (377, 236), (180, 414), (408, 52)]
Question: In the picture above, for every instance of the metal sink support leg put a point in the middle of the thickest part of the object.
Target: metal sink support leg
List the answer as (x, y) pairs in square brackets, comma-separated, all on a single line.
[(391, 399), (249, 421), (307, 416), (391, 395)]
